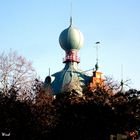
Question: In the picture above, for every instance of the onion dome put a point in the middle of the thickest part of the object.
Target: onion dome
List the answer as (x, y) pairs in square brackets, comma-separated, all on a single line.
[(71, 38)]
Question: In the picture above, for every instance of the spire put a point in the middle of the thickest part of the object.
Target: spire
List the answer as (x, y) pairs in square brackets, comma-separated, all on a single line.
[(49, 72), (48, 79), (71, 14), (70, 20)]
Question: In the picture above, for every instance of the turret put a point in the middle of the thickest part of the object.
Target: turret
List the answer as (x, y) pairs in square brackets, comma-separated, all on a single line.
[(70, 77), (71, 40), (97, 80)]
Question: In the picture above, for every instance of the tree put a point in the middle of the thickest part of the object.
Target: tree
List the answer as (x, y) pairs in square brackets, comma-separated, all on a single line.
[(16, 120), (16, 73), (96, 115)]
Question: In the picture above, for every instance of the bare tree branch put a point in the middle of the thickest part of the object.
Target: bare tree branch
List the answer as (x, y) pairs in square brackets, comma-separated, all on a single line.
[(15, 72)]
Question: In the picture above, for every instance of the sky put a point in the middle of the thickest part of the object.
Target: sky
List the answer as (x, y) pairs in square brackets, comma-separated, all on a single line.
[(32, 28)]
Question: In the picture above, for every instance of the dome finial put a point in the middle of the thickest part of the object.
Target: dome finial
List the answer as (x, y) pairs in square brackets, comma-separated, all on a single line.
[(70, 20), (71, 14)]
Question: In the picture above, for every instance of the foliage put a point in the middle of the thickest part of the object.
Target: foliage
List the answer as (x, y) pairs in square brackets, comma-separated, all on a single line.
[(16, 119), (95, 115)]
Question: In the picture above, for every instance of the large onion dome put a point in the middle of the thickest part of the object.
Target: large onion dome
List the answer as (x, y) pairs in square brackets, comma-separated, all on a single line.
[(71, 39)]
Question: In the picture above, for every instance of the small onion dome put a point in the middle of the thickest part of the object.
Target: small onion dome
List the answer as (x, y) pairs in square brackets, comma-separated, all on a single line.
[(71, 39)]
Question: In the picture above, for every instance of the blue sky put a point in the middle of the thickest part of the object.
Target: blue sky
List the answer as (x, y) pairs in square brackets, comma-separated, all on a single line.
[(32, 28)]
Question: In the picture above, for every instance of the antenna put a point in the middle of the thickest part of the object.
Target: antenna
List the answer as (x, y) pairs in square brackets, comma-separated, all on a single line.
[(97, 57), (122, 72), (122, 82)]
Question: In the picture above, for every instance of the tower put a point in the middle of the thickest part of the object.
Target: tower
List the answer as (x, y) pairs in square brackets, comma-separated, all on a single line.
[(70, 77)]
